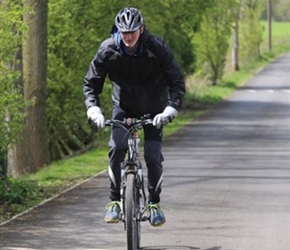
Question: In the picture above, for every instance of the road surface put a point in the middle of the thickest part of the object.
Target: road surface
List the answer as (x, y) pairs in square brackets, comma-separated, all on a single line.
[(226, 186)]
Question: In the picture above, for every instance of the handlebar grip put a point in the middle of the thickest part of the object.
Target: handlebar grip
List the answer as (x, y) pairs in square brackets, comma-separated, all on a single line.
[(108, 122)]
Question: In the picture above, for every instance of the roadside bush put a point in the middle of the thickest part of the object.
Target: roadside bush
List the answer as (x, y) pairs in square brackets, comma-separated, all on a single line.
[(17, 191)]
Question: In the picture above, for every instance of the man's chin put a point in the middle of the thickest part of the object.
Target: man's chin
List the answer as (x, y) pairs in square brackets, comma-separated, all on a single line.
[(130, 45)]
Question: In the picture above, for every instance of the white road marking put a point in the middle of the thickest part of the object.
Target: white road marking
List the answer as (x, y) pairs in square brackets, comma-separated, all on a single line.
[(21, 248), (269, 91)]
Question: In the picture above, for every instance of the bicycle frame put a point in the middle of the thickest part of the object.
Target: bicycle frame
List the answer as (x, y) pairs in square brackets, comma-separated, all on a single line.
[(133, 196)]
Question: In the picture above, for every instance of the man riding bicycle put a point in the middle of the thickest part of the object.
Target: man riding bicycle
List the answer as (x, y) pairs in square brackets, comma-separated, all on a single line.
[(146, 80)]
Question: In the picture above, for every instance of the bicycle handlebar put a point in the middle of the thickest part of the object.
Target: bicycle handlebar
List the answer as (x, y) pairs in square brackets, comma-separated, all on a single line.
[(131, 122)]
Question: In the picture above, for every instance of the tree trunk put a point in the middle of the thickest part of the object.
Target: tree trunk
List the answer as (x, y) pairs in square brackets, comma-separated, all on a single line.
[(236, 46), (31, 151), (269, 19)]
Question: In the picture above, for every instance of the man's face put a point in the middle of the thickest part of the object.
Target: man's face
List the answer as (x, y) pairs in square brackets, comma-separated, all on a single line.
[(130, 39)]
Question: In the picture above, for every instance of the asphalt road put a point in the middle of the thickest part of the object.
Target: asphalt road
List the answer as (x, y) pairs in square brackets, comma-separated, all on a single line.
[(226, 187)]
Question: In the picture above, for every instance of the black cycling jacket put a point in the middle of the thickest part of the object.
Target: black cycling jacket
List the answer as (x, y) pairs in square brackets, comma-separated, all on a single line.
[(143, 83)]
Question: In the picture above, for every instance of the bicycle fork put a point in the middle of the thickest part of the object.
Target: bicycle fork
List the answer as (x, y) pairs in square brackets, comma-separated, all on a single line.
[(139, 184)]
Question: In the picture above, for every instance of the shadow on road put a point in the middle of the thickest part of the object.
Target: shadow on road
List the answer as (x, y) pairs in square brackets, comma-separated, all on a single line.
[(180, 248), (168, 248)]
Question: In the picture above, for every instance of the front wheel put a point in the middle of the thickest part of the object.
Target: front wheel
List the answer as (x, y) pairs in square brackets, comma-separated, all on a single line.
[(131, 213)]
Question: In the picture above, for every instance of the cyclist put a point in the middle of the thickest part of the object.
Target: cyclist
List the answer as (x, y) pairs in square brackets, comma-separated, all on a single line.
[(146, 80)]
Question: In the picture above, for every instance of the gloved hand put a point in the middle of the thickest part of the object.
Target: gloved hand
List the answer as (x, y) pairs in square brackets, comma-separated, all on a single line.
[(166, 116), (95, 115)]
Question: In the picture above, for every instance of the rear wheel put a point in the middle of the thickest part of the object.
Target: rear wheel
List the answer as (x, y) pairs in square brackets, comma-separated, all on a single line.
[(131, 213)]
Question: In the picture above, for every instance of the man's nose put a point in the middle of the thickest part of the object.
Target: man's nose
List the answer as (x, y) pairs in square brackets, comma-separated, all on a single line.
[(129, 35)]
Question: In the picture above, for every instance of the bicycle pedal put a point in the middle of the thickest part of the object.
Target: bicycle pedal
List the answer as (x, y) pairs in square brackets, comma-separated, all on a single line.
[(144, 218)]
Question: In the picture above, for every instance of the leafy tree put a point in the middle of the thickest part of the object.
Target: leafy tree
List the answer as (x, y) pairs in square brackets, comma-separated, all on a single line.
[(251, 30), (176, 23), (74, 37), (11, 101), (212, 40), (30, 152)]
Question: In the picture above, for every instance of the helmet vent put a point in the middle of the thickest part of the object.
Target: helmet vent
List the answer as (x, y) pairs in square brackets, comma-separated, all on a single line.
[(129, 19)]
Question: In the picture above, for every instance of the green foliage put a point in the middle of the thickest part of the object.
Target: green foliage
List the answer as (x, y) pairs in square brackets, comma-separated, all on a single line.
[(280, 36), (177, 21), (17, 191), (11, 101), (212, 40), (251, 30), (16, 195), (280, 11), (71, 41)]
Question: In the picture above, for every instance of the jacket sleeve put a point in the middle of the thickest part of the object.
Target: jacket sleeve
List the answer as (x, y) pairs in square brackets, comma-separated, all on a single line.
[(174, 76), (94, 81)]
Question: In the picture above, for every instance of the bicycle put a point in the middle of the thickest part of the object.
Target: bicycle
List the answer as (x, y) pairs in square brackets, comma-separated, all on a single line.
[(133, 196)]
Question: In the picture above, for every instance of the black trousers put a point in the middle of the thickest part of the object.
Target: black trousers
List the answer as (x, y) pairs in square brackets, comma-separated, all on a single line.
[(152, 155)]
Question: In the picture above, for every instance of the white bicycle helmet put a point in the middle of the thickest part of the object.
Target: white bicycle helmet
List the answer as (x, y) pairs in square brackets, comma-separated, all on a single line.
[(129, 19)]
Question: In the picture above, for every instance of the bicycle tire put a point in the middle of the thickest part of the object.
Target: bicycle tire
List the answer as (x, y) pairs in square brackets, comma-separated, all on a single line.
[(131, 211)]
